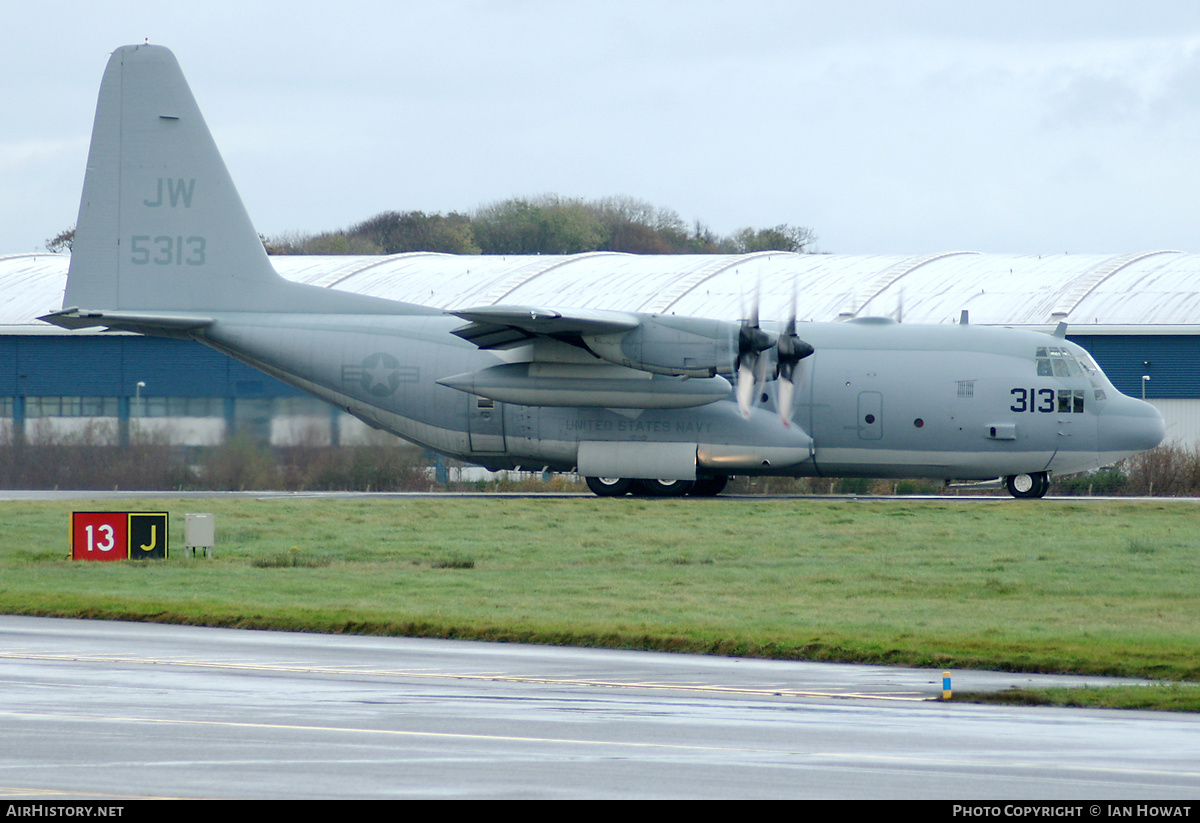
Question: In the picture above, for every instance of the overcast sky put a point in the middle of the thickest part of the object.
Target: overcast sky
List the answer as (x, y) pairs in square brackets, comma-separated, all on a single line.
[(886, 127)]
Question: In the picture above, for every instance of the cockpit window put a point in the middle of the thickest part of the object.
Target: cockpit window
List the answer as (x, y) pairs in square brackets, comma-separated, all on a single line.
[(1093, 374), (1055, 361), (1043, 362), (1070, 401)]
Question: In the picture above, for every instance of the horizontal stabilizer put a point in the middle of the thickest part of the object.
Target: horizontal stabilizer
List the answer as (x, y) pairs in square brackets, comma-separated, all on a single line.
[(162, 323)]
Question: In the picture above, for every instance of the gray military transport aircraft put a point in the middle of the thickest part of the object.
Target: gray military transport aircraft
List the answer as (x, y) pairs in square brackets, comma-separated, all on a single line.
[(648, 403)]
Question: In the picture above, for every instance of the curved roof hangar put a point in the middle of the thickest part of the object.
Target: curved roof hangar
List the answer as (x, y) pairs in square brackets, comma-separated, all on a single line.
[(1155, 288)]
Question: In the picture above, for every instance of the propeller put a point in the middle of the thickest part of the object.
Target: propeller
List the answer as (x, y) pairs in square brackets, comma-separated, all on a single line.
[(751, 365), (790, 350)]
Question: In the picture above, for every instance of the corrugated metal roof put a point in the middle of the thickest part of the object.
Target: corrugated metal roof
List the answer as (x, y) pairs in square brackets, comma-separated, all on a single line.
[(1157, 288), (31, 285)]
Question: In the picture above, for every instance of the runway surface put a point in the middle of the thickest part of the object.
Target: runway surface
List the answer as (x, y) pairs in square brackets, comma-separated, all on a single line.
[(104, 710)]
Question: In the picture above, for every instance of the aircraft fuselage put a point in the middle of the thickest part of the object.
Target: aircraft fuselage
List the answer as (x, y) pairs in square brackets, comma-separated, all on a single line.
[(876, 399)]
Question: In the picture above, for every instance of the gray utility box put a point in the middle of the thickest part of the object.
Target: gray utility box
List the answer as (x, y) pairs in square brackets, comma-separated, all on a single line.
[(199, 532)]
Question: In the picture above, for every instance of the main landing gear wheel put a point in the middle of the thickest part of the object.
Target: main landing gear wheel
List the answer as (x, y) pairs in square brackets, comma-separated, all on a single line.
[(709, 486), (663, 488), (609, 486), (1028, 485), (620, 486)]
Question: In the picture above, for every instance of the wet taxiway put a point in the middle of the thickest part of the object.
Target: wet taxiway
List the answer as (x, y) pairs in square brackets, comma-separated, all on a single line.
[(97, 709)]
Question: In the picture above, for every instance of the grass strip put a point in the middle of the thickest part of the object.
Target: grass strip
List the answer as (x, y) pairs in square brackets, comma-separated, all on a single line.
[(1035, 586), (1167, 697)]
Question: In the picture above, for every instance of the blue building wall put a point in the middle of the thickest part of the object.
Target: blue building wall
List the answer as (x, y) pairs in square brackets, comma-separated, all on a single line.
[(112, 366), (1171, 361)]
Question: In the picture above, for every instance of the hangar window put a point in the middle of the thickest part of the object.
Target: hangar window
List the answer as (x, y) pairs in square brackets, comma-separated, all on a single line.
[(153, 407), (177, 407), (70, 407), (300, 406), (195, 407)]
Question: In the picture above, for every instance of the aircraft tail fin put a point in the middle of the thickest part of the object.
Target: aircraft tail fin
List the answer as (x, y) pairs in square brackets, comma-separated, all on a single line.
[(161, 226)]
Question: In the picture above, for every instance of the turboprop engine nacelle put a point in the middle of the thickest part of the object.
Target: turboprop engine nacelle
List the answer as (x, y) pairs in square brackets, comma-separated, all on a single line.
[(665, 344)]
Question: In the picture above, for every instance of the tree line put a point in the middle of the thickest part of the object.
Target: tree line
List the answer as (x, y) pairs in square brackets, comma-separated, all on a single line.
[(542, 225)]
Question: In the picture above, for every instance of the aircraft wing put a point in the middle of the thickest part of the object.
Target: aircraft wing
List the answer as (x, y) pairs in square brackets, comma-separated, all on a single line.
[(611, 355), (503, 327), (591, 357)]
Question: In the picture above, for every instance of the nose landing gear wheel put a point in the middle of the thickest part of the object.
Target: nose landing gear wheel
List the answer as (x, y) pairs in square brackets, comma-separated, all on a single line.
[(1028, 485)]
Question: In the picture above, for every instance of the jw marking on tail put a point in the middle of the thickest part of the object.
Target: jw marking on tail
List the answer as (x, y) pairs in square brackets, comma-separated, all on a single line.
[(178, 191)]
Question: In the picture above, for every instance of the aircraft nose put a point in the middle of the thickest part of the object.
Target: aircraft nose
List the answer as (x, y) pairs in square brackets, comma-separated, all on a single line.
[(1130, 425)]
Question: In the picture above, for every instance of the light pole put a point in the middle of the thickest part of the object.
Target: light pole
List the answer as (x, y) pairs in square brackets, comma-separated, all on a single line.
[(1145, 380)]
